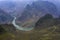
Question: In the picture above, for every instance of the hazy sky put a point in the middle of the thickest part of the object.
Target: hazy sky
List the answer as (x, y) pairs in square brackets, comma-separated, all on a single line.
[(31, 0), (17, 0), (27, 0)]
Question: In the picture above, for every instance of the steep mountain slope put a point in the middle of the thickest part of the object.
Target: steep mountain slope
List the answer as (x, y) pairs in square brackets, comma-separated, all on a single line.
[(5, 17), (46, 28), (37, 10), (2, 30), (47, 21)]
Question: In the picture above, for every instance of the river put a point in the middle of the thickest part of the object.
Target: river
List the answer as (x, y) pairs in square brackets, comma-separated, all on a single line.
[(20, 27)]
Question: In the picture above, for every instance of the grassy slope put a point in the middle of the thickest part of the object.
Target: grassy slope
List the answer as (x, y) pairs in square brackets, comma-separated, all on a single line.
[(50, 33)]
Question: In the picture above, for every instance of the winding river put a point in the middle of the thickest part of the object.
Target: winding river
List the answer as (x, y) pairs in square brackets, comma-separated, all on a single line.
[(20, 27)]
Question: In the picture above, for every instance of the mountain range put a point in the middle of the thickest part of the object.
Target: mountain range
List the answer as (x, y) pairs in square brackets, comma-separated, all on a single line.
[(36, 10), (40, 13), (13, 8), (31, 13)]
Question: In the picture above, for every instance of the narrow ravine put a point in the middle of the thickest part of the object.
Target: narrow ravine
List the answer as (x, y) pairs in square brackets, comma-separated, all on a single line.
[(20, 27)]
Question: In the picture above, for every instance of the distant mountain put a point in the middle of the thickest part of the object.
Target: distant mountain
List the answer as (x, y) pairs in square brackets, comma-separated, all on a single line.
[(14, 8), (5, 17), (36, 10), (57, 3), (7, 5)]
